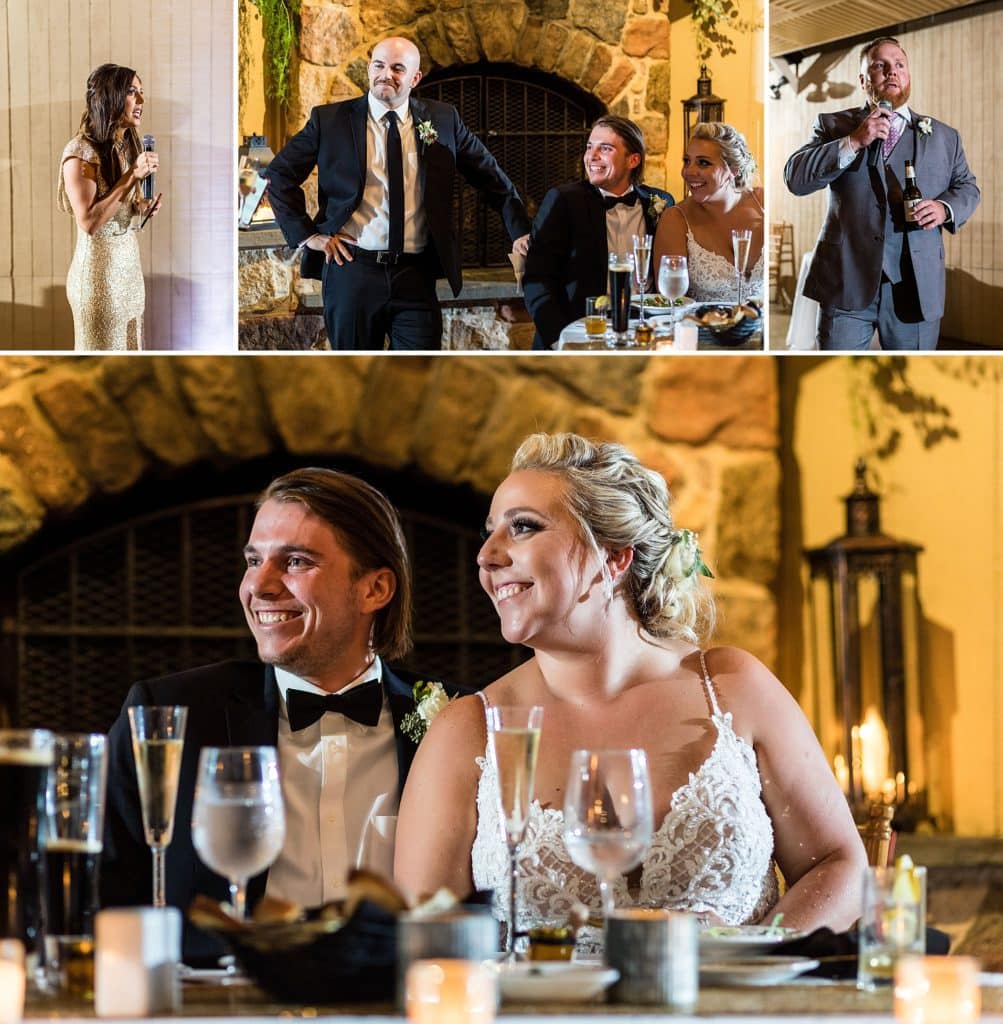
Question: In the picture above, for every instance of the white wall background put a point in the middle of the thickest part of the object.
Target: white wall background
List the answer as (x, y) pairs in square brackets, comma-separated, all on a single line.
[(183, 50)]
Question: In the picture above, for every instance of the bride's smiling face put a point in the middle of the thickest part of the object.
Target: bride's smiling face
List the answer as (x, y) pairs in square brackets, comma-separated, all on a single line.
[(533, 564), (705, 172)]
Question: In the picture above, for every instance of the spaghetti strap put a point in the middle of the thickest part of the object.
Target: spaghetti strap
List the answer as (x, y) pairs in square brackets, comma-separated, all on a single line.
[(484, 700), (709, 686)]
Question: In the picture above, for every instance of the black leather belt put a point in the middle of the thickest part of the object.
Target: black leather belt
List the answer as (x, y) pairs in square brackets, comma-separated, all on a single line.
[(383, 257)]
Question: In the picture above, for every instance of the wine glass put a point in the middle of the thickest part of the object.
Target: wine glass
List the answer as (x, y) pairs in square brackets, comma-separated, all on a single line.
[(238, 820), (741, 240), (673, 279), (158, 735), (607, 815), (514, 742), (642, 263)]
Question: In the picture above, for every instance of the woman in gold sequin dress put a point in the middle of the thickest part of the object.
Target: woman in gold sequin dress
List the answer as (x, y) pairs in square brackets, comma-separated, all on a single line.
[(100, 178)]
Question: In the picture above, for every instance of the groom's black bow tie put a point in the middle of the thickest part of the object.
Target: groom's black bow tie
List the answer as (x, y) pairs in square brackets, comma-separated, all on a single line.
[(362, 705), (630, 199)]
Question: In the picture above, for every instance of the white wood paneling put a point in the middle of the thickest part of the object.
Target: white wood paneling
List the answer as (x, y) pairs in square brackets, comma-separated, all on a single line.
[(183, 50)]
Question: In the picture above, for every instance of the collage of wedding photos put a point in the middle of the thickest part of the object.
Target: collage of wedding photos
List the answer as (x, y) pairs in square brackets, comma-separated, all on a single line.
[(546, 452)]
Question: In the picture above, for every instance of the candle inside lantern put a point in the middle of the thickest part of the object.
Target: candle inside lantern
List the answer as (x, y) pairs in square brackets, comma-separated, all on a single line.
[(873, 753), (11, 981), (451, 992), (937, 990)]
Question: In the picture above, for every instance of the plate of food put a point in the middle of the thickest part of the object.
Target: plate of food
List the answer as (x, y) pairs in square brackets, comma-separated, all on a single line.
[(765, 970), (554, 982), (721, 324), (718, 941), (658, 305)]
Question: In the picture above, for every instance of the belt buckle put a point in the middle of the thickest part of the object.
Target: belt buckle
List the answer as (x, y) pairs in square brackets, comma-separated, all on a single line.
[(386, 256)]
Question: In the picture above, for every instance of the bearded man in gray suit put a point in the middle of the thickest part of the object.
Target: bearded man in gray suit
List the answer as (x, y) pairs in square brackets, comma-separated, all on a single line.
[(872, 269)]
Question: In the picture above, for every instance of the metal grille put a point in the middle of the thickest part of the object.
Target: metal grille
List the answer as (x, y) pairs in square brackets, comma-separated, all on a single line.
[(534, 124), (158, 594)]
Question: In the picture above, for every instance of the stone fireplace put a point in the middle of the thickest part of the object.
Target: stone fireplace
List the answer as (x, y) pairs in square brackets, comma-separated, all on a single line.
[(124, 490), (614, 55)]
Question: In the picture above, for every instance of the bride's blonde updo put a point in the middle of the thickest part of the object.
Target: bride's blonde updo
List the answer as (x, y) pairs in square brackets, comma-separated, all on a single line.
[(617, 504)]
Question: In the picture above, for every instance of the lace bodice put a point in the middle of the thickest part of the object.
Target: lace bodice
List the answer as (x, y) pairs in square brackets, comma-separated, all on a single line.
[(712, 276), (712, 853)]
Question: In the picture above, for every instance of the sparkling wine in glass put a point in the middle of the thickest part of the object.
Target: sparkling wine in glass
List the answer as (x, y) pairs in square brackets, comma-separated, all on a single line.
[(642, 264), (607, 815), (238, 819), (158, 735), (514, 742), (741, 241)]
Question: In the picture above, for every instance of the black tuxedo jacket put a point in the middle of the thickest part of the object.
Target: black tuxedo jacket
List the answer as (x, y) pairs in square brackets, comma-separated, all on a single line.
[(334, 140), (568, 257), (230, 704)]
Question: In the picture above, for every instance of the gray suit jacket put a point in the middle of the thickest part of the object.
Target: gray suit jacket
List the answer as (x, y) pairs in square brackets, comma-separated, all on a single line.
[(865, 202)]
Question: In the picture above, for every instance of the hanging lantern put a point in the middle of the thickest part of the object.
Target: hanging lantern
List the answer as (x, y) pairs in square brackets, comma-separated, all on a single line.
[(704, 106), (864, 602)]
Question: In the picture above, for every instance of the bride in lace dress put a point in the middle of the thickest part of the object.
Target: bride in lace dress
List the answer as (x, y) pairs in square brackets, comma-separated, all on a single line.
[(584, 565), (718, 170)]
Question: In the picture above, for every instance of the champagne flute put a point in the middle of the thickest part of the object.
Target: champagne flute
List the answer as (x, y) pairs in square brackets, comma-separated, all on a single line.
[(514, 742), (741, 241), (238, 819), (158, 735), (607, 815), (642, 263)]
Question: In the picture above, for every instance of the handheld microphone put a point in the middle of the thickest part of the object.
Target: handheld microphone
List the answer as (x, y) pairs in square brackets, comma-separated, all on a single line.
[(149, 145), (874, 150)]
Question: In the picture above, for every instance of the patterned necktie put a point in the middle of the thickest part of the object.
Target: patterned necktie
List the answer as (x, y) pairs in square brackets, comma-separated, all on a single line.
[(894, 131), (395, 184), (361, 704)]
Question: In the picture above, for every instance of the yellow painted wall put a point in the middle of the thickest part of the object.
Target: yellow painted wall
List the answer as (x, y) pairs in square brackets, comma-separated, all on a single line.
[(252, 72), (948, 498), (737, 78)]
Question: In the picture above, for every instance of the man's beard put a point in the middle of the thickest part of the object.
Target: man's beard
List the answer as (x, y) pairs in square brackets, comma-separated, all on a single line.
[(899, 99)]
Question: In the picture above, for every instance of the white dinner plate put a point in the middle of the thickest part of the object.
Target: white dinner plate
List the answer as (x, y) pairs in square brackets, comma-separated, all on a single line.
[(766, 970), (554, 982), (674, 311), (717, 942)]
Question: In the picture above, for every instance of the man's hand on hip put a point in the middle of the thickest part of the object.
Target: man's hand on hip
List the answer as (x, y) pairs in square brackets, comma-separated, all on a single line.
[(930, 213), (334, 247), (521, 245), (876, 125)]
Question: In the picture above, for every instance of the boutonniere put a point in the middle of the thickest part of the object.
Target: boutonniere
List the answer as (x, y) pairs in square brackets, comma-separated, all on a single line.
[(656, 206), (925, 126), (429, 700), (427, 133)]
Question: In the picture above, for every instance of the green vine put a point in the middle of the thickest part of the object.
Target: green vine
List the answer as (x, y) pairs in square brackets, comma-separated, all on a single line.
[(713, 20), (280, 25)]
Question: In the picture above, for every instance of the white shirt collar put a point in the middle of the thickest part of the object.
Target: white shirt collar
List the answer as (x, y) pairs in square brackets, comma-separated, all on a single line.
[(286, 680), (377, 109), (902, 112), (613, 195)]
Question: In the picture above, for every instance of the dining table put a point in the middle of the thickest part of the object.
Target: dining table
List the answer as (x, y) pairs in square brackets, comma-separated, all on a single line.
[(805, 1001), (573, 338)]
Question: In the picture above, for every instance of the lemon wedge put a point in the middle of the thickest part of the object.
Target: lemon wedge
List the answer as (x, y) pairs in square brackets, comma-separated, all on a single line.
[(602, 302), (905, 888)]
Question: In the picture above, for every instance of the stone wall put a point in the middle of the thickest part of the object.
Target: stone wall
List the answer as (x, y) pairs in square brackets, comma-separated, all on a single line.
[(72, 430), (618, 50)]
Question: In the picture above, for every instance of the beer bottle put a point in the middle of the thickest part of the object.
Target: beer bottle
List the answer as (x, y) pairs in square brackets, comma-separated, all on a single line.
[(911, 194)]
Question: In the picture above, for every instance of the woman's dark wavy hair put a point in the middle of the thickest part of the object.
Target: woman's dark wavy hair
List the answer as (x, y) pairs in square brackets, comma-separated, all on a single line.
[(107, 89)]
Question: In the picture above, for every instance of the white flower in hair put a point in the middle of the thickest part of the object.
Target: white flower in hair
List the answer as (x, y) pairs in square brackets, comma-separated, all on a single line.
[(685, 557)]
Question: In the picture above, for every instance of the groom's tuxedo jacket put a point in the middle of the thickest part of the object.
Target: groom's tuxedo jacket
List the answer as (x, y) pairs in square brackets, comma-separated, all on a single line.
[(568, 256), (230, 704), (334, 140), (863, 231)]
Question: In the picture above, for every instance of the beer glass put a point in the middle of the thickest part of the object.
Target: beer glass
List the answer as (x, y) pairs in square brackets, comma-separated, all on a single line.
[(621, 270), (75, 821), (25, 756), (238, 820), (158, 735)]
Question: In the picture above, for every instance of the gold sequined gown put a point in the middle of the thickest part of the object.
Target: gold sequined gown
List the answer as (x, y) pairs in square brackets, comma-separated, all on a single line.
[(105, 284)]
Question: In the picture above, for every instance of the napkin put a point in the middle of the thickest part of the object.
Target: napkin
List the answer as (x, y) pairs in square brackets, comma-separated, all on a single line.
[(837, 951)]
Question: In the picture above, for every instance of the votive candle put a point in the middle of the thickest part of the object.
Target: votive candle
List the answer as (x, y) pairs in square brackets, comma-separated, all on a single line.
[(11, 981), (451, 992), (937, 990)]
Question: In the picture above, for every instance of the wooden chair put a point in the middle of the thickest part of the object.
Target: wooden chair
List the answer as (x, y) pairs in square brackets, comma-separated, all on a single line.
[(783, 273)]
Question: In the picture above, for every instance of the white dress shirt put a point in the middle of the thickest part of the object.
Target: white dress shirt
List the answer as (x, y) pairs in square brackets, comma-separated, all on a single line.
[(340, 788), (623, 222), (370, 223)]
